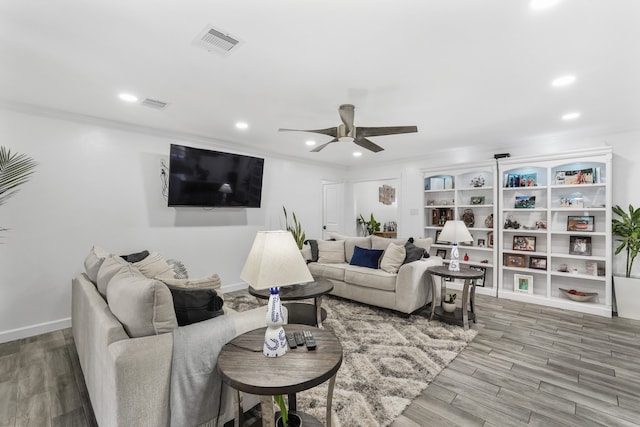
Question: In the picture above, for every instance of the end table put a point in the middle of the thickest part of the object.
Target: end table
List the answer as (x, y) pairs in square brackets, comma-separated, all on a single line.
[(459, 316)]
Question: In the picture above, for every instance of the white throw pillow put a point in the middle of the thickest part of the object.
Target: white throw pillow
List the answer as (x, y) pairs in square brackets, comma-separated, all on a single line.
[(393, 258), (93, 262), (211, 282), (424, 243), (109, 268), (153, 266), (331, 252)]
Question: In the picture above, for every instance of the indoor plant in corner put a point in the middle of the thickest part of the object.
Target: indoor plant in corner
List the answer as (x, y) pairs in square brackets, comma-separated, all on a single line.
[(295, 229), (286, 418), (627, 288), (15, 170)]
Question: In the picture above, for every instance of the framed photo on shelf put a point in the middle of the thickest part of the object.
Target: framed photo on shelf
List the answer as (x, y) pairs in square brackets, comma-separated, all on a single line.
[(442, 253), (524, 243), (573, 177), (579, 245), (481, 243), (490, 239), (572, 201), (514, 260), (480, 281), (523, 283), (580, 223), (538, 263), (525, 202), (477, 200)]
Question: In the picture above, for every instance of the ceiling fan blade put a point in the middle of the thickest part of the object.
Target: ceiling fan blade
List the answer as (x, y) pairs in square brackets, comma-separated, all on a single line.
[(320, 147), (329, 131), (388, 130), (346, 114), (365, 143)]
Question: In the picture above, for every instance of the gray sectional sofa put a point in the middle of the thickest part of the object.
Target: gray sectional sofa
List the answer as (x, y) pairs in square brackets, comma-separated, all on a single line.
[(405, 289)]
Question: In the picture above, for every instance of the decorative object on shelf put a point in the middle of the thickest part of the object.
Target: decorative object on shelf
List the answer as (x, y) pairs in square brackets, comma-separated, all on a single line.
[(469, 218), (524, 243), (488, 221), (441, 215), (591, 268), (490, 239), (538, 263), (274, 261), (481, 243), (442, 253), (580, 223), (563, 268), (523, 283), (580, 296), (466, 256), (480, 281), (386, 194), (477, 200), (511, 224), (368, 227), (626, 228), (15, 170), (449, 304), (455, 231), (572, 201), (477, 181), (514, 260), (574, 177), (521, 180), (525, 202), (541, 225), (295, 229), (579, 245)]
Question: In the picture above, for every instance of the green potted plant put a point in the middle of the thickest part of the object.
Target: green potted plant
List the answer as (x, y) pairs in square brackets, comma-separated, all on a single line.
[(449, 304), (286, 418), (15, 170), (368, 227), (626, 228), (295, 229)]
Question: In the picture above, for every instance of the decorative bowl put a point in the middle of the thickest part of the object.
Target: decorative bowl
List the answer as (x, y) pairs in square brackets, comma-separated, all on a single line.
[(576, 295)]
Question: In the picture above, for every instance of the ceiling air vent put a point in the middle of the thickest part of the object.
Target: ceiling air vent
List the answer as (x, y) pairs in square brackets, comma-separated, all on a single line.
[(154, 103), (216, 40)]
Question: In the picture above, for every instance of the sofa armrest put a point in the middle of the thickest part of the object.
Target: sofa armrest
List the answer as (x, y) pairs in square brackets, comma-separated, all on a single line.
[(413, 285)]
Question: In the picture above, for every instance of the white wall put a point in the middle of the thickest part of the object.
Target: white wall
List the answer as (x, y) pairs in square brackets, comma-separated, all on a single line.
[(101, 185), (366, 202)]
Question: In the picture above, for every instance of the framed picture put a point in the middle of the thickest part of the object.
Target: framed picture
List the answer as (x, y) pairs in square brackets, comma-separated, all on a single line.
[(537, 262), (480, 281), (572, 201), (525, 202), (514, 260), (573, 177), (442, 253), (523, 283), (580, 223), (481, 243), (477, 200), (490, 239), (437, 236), (524, 243), (579, 245)]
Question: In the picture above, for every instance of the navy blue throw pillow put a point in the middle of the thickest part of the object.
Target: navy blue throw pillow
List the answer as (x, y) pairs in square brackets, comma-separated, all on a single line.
[(366, 257)]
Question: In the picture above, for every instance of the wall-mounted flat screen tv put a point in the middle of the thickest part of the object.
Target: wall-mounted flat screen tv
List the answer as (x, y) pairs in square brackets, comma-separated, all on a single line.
[(206, 178)]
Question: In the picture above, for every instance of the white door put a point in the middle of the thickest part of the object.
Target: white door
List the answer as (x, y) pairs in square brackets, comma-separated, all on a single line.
[(332, 209)]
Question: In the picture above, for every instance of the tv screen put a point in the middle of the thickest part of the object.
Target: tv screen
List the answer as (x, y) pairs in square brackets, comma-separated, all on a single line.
[(199, 177)]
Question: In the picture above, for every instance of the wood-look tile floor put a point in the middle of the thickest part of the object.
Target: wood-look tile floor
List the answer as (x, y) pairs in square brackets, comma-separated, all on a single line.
[(529, 365)]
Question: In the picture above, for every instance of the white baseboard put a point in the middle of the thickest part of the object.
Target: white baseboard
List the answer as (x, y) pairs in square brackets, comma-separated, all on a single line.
[(234, 287), (30, 331)]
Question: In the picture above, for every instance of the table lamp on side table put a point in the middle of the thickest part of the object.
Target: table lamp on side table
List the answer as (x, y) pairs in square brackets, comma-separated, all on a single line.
[(274, 261), (455, 232)]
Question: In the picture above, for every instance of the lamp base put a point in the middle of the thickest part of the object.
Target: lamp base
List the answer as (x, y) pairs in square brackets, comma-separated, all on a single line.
[(275, 339), (453, 263)]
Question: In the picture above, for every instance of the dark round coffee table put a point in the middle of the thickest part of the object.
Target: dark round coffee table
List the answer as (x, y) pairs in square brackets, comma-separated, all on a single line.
[(302, 313)]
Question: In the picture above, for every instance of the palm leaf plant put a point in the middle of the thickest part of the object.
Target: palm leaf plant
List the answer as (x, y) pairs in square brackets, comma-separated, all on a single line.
[(295, 229), (627, 228), (15, 170)]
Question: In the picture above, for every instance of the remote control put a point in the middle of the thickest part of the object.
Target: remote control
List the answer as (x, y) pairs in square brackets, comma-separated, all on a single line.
[(291, 341), (309, 340), (299, 338)]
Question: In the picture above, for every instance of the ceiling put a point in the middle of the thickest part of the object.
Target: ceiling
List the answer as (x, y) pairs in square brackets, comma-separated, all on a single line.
[(466, 72)]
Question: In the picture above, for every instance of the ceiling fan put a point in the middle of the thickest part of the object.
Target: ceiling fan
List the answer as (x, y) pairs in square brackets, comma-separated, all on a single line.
[(358, 134)]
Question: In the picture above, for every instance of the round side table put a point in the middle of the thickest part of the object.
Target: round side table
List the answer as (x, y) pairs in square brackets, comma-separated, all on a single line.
[(459, 316)]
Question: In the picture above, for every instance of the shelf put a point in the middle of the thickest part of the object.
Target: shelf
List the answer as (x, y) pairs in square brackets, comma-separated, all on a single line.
[(574, 186), (569, 210), (440, 191), (439, 206), (578, 233), (475, 206), (580, 257), (523, 230), (537, 187), (524, 209), (588, 307), (475, 188), (579, 276)]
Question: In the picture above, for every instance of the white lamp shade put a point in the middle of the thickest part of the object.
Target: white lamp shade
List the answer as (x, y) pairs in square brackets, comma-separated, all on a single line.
[(455, 232), (274, 261)]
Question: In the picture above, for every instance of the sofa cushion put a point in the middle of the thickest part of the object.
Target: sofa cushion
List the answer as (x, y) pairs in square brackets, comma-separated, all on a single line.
[(195, 305), (378, 242), (413, 253), (393, 258), (333, 271), (313, 244), (93, 262), (154, 265), (370, 278), (211, 282), (109, 268), (331, 251), (143, 306), (366, 257), (351, 242)]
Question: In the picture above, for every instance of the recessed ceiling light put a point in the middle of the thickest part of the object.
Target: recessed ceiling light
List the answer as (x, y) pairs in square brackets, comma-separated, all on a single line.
[(542, 4), (571, 116), (563, 81), (127, 97), (310, 143), (357, 153), (242, 125)]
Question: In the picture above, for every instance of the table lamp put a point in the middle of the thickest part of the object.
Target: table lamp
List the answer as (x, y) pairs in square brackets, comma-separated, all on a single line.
[(454, 232), (274, 261)]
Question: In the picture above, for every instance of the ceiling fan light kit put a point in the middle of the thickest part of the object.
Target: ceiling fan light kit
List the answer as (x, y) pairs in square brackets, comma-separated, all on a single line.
[(347, 132)]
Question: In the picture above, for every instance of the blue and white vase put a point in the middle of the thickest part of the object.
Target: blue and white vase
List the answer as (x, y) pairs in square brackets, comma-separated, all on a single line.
[(275, 340)]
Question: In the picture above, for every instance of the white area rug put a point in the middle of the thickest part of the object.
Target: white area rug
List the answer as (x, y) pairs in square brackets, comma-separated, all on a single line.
[(388, 360)]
